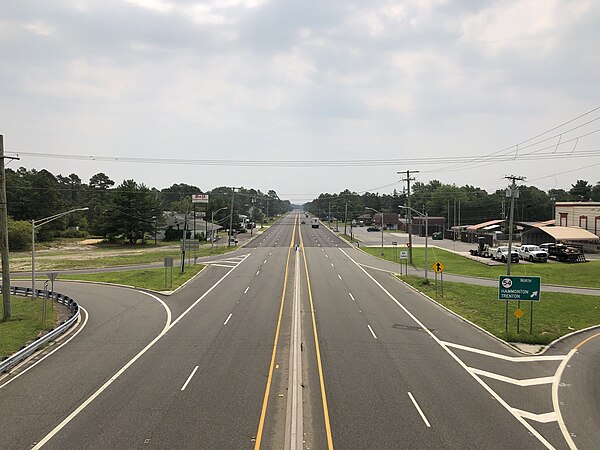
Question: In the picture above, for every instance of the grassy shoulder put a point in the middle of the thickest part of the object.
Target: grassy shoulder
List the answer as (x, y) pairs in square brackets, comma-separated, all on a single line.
[(554, 316), (120, 256), (577, 274), (25, 323), (153, 279), (348, 237)]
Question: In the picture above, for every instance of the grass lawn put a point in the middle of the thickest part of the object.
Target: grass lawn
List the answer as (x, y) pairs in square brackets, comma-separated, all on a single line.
[(153, 279), (555, 315), (348, 238), (576, 274), (95, 259), (25, 323)]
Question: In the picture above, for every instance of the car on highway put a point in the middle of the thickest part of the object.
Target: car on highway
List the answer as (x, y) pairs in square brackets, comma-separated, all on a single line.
[(532, 253)]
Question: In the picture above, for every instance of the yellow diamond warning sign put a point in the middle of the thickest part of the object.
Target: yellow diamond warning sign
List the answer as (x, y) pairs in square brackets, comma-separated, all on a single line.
[(438, 267), (519, 313)]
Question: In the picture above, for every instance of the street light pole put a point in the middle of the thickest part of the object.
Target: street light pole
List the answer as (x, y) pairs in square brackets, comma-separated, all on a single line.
[(36, 224), (426, 215), (381, 213)]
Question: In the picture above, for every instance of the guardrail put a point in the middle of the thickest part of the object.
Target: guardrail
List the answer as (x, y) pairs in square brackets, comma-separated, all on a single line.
[(38, 342)]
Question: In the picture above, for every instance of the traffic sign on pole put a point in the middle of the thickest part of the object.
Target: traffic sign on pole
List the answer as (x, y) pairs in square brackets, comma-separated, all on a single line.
[(438, 267), (200, 198), (511, 287)]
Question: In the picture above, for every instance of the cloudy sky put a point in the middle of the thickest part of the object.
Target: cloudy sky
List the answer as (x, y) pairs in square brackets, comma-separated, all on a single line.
[(352, 91)]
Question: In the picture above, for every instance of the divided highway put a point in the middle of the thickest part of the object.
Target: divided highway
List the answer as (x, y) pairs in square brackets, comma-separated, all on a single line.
[(209, 367)]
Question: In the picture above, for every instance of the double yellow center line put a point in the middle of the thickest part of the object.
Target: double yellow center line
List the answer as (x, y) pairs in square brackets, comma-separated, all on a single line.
[(276, 341)]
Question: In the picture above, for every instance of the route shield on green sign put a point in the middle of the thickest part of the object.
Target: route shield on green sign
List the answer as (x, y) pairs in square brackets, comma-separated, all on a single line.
[(519, 288)]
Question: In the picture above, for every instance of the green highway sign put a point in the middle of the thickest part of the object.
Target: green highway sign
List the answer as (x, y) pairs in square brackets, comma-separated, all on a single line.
[(519, 288)]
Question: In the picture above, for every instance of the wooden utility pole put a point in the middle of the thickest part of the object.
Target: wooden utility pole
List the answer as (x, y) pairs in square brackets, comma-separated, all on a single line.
[(408, 179), (4, 237)]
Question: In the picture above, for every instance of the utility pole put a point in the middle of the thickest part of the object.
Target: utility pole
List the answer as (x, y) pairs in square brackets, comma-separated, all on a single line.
[(345, 217), (513, 193), (329, 215), (408, 179), (231, 217), (4, 236), (183, 242)]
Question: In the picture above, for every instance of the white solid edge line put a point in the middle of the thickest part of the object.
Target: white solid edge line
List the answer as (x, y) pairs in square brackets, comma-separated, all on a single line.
[(504, 357), (418, 408), (227, 320), (372, 332), (541, 418), (102, 388), (556, 403), (167, 309), (499, 399), (515, 381), (189, 378), (56, 349)]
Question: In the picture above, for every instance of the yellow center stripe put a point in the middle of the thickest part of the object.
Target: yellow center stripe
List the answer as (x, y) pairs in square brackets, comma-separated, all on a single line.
[(263, 413), (317, 350)]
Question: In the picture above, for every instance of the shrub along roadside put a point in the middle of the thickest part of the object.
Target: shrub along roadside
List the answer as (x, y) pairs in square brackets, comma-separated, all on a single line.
[(554, 316)]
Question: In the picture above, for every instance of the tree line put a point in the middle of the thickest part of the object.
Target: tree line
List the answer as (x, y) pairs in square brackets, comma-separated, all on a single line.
[(130, 211), (458, 204)]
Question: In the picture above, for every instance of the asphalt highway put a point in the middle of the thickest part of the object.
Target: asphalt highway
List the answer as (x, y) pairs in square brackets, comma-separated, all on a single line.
[(209, 367)]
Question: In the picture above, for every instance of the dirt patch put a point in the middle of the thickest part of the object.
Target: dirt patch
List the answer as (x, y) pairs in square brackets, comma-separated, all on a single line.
[(90, 241)]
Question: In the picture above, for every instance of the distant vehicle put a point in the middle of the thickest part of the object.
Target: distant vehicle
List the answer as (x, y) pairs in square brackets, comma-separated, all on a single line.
[(233, 240), (373, 229), (565, 252), (501, 254), (315, 222), (482, 250), (532, 253), (303, 222)]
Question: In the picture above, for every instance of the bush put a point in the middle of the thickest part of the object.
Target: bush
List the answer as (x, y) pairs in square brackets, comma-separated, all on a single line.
[(19, 235), (73, 233)]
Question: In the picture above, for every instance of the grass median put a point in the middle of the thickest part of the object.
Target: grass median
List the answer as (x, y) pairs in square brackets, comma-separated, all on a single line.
[(575, 274), (25, 323), (153, 279), (554, 316)]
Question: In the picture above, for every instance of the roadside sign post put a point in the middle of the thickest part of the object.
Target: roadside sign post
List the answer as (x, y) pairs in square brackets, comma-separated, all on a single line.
[(200, 198), (168, 263), (52, 276), (438, 267), (520, 288), (395, 250), (404, 257)]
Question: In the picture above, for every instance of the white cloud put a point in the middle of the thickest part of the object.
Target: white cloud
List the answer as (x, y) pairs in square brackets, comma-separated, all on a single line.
[(525, 25)]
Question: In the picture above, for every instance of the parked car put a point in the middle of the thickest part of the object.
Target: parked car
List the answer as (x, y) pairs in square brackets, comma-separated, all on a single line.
[(373, 229), (532, 253), (501, 254)]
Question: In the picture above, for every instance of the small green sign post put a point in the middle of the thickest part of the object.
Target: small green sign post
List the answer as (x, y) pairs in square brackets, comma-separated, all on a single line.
[(520, 288), (512, 287)]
